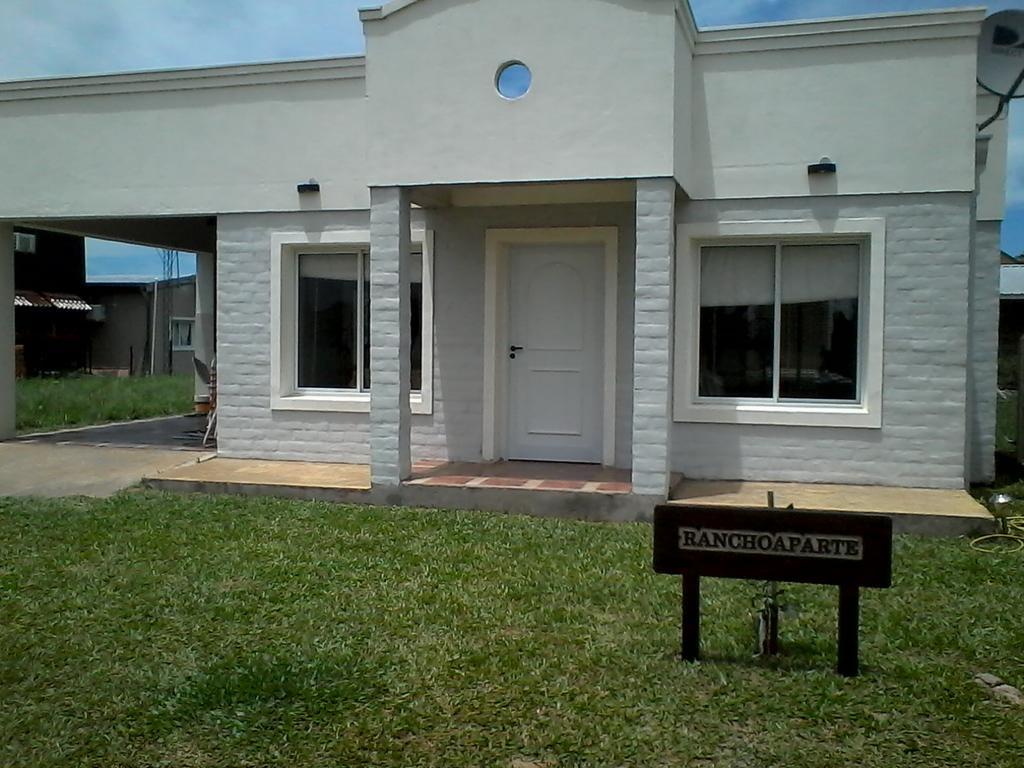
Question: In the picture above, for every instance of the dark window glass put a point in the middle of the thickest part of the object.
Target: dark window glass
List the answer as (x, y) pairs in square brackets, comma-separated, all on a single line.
[(415, 320), (366, 323), (416, 339), (327, 301), (820, 288), (737, 321)]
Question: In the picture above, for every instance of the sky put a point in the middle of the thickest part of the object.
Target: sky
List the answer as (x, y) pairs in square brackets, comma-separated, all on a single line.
[(76, 37)]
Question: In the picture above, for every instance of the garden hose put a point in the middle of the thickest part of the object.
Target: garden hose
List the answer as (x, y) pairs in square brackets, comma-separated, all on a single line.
[(1010, 540)]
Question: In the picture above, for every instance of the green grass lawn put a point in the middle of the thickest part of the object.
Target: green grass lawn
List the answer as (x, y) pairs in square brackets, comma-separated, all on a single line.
[(1009, 473), (75, 401), (161, 630)]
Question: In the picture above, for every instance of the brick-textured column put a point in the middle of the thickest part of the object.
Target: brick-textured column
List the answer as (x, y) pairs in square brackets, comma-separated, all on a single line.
[(983, 354), (983, 334), (204, 333), (390, 416), (652, 336), (6, 331)]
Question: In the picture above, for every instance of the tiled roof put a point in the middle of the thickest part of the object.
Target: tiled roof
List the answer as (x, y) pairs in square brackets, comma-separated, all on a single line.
[(40, 300)]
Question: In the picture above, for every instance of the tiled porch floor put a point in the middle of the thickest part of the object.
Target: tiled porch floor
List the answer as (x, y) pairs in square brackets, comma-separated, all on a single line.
[(239, 472), (523, 475), (584, 491), (926, 511), (830, 498)]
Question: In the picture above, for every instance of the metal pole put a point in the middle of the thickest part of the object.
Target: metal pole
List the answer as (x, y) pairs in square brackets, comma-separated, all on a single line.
[(152, 348), (691, 617), (771, 646), (849, 617)]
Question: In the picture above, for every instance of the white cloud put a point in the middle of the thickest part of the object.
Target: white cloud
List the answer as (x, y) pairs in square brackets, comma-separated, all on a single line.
[(61, 37), (717, 12)]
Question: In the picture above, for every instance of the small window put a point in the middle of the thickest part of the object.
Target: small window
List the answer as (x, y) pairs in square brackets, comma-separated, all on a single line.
[(513, 80), (333, 328), (24, 242), (780, 322), (181, 333)]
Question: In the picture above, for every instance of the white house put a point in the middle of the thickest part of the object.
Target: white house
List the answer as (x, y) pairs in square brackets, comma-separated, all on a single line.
[(573, 231)]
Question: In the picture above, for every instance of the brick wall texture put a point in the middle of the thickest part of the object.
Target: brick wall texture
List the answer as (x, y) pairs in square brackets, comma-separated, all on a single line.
[(922, 439), (926, 419), (984, 335), (652, 340)]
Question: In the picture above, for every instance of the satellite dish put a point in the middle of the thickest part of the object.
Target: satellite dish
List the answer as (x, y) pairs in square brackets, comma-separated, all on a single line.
[(1001, 58), (1001, 53)]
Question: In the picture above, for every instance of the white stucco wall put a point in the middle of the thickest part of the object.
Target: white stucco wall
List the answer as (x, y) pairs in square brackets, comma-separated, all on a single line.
[(202, 141), (992, 180), (895, 117), (922, 438), (248, 427), (621, 89), (601, 103), (684, 104)]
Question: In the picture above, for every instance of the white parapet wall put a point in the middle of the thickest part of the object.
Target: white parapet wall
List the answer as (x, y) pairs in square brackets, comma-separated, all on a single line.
[(884, 97), (211, 140)]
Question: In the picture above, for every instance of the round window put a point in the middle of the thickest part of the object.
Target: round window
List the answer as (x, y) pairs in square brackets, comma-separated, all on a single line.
[(513, 80)]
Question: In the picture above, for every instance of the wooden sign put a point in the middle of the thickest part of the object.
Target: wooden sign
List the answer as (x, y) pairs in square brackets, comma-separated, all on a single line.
[(848, 550)]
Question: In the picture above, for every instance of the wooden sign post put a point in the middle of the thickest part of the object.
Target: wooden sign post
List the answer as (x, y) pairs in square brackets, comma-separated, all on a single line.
[(848, 550)]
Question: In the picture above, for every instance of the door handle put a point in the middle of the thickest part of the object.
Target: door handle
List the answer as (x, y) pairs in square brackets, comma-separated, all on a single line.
[(512, 351)]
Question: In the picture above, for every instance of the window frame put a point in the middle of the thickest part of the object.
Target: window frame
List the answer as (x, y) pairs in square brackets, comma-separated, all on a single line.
[(285, 392), (866, 410), (174, 346)]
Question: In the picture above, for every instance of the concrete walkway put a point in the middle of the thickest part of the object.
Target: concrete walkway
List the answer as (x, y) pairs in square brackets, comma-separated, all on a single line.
[(172, 432), (221, 472), (924, 511), (43, 469)]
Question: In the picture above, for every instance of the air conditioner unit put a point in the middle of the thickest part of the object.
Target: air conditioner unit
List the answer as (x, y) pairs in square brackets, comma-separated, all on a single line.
[(24, 243)]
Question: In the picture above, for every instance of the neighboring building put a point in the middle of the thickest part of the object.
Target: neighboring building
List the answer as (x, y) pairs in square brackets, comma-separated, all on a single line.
[(579, 231), (51, 329), (65, 324), (142, 328), (1011, 318)]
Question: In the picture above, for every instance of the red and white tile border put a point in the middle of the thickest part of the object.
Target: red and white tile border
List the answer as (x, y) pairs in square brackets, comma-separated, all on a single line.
[(512, 483)]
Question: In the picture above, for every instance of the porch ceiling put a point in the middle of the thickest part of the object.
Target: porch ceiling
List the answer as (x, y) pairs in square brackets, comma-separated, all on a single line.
[(536, 193), (181, 233)]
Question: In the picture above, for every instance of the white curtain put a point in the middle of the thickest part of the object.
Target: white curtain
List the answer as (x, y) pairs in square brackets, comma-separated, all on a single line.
[(345, 266), (737, 276), (329, 266), (813, 273)]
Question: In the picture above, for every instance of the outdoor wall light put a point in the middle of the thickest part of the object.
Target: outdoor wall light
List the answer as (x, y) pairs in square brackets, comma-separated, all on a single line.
[(822, 166), (309, 186)]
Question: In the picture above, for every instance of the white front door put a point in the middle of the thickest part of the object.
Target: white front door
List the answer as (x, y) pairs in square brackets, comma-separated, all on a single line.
[(556, 335)]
